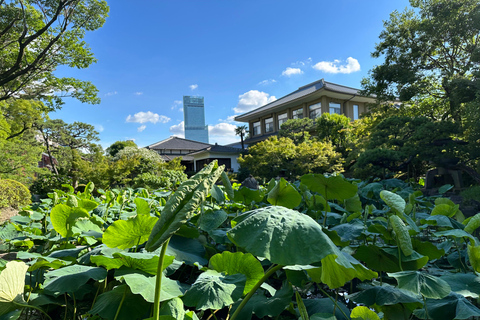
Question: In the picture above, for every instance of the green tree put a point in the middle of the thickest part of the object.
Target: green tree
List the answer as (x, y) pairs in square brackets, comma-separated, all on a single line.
[(430, 51), (407, 144), (296, 129), (20, 152), (335, 128), (282, 157), (119, 145), (37, 37)]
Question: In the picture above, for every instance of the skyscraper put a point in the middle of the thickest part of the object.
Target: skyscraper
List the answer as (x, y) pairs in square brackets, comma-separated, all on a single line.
[(194, 119)]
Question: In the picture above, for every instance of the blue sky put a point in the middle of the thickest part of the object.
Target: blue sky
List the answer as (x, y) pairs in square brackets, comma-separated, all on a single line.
[(237, 54)]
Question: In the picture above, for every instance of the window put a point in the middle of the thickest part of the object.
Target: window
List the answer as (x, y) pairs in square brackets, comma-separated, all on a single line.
[(257, 128), (281, 119), (355, 112), (298, 114), (269, 125), (315, 110), (334, 108)]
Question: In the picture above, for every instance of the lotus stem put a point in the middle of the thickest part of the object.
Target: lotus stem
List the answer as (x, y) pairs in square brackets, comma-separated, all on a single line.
[(33, 307), (254, 289), (121, 303), (158, 283), (334, 302)]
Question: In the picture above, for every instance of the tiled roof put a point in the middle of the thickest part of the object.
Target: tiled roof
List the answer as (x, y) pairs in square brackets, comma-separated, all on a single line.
[(172, 156), (176, 143), (218, 149)]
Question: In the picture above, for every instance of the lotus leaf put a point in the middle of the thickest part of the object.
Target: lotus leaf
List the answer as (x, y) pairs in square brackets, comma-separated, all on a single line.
[(277, 233), (64, 217), (69, 279), (183, 204), (394, 201), (284, 194), (334, 187), (125, 234), (12, 286), (363, 313), (213, 290), (453, 306), (422, 283), (238, 262)]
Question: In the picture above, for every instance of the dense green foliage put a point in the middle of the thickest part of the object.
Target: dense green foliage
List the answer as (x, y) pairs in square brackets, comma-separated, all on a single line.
[(282, 157), (13, 194), (168, 179), (37, 37), (282, 252), (119, 145)]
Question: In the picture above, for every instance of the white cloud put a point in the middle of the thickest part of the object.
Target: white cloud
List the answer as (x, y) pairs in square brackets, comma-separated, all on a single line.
[(251, 100), (302, 63), (267, 82), (99, 128), (141, 128), (138, 93), (291, 71), (193, 86), (178, 130), (228, 120), (176, 104), (108, 94), (222, 133), (144, 117), (336, 66)]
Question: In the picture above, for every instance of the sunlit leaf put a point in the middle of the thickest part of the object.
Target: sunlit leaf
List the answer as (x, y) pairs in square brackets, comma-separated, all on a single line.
[(277, 233), (334, 187), (422, 283), (125, 234), (363, 313), (394, 201), (238, 262), (12, 286), (284, 194)]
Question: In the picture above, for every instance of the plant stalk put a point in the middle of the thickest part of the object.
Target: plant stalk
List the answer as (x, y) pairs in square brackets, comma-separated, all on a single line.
[(158, 283), (121, 303), (33, 307), (254, 289)]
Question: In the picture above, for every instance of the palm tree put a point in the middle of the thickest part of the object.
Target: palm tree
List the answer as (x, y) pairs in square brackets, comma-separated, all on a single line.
[(240, 131)]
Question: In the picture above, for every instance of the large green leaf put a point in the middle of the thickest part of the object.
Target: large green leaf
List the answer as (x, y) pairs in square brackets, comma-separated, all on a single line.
[(394, 201), (325, 305), (71, 278), (453, 306), (334, 187), (474, 257), (284, 194), (363, 313), (39, 261), (444, 210), (125, 234), (403, 237), (472, 224), (217, 194), (228, 185), (212, 219), (213, 290), (384, 259), (282, 235), (385, 295), (145, 285), (238, 262), (263, 307), (86, 204), (466, 284), (190, 251), (142, 206), (422, 283), (12, 286), (63, 218), (174, 308), (133, 306), (339, 268), (247, 196), (183, 204)]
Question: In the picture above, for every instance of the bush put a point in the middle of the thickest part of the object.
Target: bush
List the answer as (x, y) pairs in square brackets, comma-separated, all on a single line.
[(169, 179), (13, 194), (47, 182)]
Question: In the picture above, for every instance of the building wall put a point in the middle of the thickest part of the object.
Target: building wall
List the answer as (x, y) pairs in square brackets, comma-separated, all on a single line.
[(346, 107), (194, 119)]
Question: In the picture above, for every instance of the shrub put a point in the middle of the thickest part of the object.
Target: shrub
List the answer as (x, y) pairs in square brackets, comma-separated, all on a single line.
[(13, 194), (168, 179), (47, 182)]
